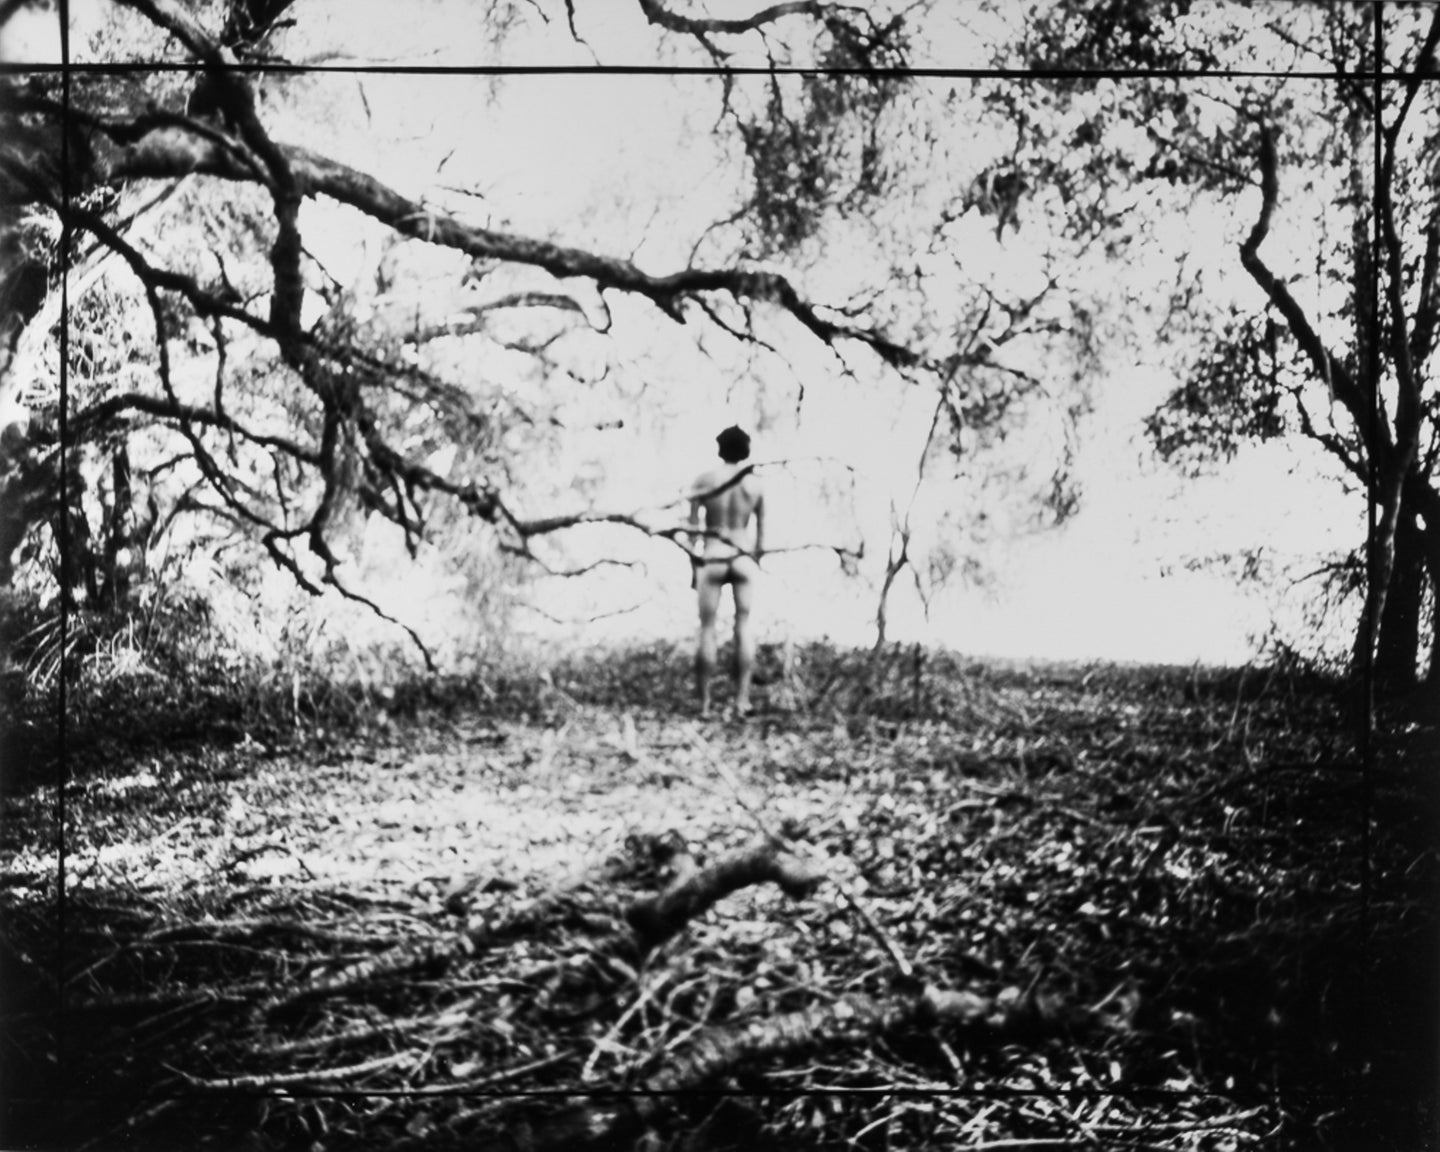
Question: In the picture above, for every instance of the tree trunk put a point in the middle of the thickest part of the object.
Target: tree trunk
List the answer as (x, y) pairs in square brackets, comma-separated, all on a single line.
[(1422, 496), (1395, 508), (75, 541), (1397, 652), (27, 496), (1430, 548), (1432, 671), (116, 588)]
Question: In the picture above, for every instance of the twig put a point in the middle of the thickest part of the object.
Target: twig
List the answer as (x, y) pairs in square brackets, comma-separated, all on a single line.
[(1230, 1119), (389, 1028), (502, 1077), (284, 1079), (847, 896), (607, 1041)]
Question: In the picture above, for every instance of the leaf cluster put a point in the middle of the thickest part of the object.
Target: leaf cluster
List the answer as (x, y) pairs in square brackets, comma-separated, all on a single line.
[(1231, 397), (820, 146)]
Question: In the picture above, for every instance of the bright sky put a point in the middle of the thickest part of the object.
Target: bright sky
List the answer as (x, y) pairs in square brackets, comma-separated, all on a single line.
[(627, 165)]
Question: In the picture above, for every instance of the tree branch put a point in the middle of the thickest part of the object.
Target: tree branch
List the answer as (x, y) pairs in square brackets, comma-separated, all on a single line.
[(1327, 366), (1418, 75), (852, 1018), (90, 421), (657, 14), (1427, 312), (1330, 441), (1388, 477), (476, 316), (238, 101), (657, 918), (166, 151)]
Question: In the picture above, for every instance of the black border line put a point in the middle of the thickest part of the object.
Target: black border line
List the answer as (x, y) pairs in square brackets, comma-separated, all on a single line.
[(921, 72), (62, 758)]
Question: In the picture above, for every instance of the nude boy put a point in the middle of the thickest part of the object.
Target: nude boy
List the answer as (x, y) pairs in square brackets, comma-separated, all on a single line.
[(731, 498)]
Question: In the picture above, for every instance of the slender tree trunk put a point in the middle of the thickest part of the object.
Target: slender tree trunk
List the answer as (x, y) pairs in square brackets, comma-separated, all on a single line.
[(895, 561), (74, 538), (1430, 549), (1380, 571), (1423, 497), (27, 496), (1432, 670), (893, 566), (116, 589), (1397, 652)]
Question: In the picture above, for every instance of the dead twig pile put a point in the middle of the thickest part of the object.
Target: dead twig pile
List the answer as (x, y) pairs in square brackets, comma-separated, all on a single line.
[(418, 1010)]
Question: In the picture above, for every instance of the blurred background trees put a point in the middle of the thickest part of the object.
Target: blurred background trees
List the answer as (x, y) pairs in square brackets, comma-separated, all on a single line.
[(384, 337), (1324, 173)]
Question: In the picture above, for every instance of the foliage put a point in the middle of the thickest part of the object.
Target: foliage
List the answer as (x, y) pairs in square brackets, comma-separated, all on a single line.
[(1227, 400), (271, 402), (1341, 246), (835, 153)]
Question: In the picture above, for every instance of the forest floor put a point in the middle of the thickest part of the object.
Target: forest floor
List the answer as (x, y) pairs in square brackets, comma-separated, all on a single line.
[(1180, 911)]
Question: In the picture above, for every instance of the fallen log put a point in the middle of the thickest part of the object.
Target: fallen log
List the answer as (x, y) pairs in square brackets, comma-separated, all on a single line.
[(652, 920), (695, 890), (849, 1019)]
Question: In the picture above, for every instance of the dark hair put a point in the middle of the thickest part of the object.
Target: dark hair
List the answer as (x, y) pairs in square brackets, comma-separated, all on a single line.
[(734, 444)]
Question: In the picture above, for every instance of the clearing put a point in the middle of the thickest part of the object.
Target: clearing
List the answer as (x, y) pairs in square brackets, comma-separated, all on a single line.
[(1015, 907)]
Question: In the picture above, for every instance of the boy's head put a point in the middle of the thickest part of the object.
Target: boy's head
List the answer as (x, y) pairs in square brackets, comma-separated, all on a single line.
[(734, 445)]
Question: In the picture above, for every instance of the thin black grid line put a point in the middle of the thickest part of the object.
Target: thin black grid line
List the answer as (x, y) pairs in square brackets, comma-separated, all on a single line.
[(62, 760), (1367, 721), (914, 72), (68, 69)]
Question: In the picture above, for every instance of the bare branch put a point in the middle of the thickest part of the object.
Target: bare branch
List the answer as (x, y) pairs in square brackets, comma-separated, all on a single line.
[(1333, 443), (677, 534), (1427, 312), (896, 562), (657, 14), (1417, 76), (477, 314), (129, 150), (1328, 366), (92, 420), (523, 552), (238, 101)]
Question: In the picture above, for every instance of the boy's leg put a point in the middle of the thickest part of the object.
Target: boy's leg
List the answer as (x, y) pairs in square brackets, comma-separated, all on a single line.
[(709, 580), (743, 574)]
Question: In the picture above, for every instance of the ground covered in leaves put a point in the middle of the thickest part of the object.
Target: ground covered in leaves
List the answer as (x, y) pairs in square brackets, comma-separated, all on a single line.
[(1047, 907)]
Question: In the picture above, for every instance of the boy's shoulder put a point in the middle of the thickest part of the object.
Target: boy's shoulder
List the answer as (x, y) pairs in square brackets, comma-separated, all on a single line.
[(702, 485)]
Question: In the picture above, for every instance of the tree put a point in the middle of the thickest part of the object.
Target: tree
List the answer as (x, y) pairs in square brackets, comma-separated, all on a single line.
[(1320, 165), (284, 422)]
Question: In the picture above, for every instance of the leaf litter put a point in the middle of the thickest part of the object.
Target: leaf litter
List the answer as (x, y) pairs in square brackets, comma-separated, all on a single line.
[(1044, 907)]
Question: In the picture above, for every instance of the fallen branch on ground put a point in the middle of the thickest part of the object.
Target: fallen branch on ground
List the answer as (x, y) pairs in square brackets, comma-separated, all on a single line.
[(652, 920), (849, 1019), (695, 890)]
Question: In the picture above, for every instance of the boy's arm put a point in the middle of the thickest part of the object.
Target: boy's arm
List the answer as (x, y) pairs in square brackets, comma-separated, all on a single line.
[(694, 540), (695, 536), (759, 527)]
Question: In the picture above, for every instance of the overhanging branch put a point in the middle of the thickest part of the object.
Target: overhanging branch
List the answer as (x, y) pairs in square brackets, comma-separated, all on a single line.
[(90, 421), (1327, 365), (167, 152), (238, 101), (657, 14)]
